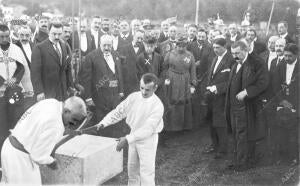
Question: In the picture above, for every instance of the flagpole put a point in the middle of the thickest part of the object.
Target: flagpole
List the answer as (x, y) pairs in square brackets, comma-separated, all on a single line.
[(197, 12), (270, 18)]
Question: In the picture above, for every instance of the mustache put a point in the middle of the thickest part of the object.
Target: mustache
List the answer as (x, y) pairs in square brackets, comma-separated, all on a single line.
[(278, 50), (236, 58)]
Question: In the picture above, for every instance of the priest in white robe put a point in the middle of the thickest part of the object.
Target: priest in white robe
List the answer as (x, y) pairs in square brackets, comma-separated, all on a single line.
[(32, 140)]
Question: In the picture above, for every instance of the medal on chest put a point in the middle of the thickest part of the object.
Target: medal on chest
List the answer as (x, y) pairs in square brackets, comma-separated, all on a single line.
[(187, 60)]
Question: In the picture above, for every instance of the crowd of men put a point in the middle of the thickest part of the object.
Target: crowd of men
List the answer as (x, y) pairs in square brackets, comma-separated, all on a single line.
[(224, 75)]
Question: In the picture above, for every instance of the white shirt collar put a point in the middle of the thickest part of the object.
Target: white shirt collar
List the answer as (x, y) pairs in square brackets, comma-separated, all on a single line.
[(284, 35), (124, 35)]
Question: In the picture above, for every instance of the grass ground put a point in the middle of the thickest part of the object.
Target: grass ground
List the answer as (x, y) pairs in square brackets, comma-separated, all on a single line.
[(183, 163)]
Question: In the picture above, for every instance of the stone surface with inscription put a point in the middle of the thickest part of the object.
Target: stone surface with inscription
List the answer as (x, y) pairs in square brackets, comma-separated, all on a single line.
[(85, 159)]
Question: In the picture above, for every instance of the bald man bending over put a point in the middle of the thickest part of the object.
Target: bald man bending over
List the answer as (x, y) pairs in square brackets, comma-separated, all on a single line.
[(34, 137)]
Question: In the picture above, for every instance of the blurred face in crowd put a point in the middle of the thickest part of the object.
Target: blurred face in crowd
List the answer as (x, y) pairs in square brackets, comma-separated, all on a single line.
[(124, 27), (218, 49), (201, 37), (55, 34), (271, 43), (67, 31), (4, 37), (138, 38), (149, 48), (192, 32), (232, 29), (165, 26), (289, 57), (243, 30), (279, 46), (115, 29), (83, 26), (96, 23), (106, 43), (44, 23), (148, 89), (250, 36), (24, 35), (282, 29), (172, 32), (136, 25), (214, 34), (105, 25), (238, 54), (181, 47)]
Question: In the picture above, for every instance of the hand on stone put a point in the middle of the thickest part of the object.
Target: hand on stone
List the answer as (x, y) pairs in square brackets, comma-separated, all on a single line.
[(53, 165), (40, 96), (121, 144), (100, 126)]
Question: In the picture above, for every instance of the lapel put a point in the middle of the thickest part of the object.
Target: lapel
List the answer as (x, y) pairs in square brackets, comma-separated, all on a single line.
[(246, 71), (63, 53), (296, 70), (232, 72), (52, 51), (211, 71), (221, 64)]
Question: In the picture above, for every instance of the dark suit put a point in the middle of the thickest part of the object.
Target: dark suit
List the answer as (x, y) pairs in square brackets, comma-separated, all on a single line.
[(89, 34), (285, 129), (289, 39), (90, 43), (103, 86), (244, 118), (124, 42), (40, 37), (203, 56), (129, 68), (259, 47), (48, 74), (216, 102), (146, 65), (162, 37)]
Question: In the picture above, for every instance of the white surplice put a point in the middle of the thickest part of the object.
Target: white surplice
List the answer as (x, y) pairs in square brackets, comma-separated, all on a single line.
[(38, 130)]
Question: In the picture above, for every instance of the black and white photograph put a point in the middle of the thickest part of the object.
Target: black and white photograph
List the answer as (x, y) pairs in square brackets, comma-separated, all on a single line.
[(149, 92)]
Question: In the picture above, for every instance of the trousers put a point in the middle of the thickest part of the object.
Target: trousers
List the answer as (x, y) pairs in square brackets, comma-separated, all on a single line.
[(141, 162)]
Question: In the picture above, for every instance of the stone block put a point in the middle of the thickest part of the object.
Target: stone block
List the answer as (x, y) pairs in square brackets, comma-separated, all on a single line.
[(85, 160)]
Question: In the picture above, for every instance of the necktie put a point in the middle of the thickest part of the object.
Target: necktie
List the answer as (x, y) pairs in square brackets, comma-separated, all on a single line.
[(58, 53)]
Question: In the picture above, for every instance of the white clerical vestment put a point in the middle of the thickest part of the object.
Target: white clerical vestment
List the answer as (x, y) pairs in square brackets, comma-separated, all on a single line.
[(38, 130), (144, 116)]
